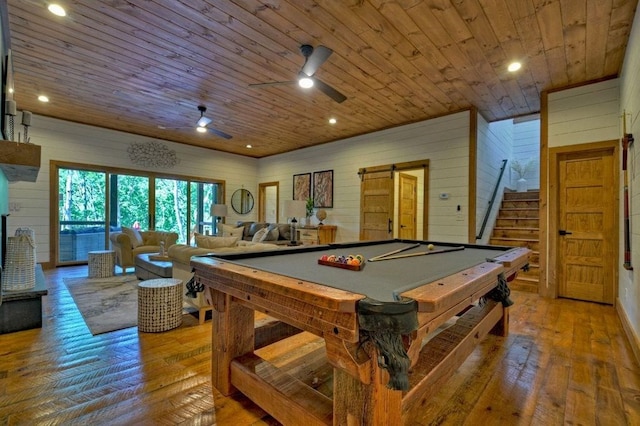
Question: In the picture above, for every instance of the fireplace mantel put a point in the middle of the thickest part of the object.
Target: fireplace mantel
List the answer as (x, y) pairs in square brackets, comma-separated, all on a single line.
[(20, 161)]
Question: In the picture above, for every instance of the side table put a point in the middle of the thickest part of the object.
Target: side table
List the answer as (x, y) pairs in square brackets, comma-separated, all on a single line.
[(159, 304), (102, 263)]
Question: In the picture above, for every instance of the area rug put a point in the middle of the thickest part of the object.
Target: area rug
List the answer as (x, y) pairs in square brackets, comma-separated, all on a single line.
[(106, 304), (110, 304)]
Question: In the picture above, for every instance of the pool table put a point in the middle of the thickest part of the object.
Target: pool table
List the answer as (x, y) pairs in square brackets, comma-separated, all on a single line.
[(383, 323)]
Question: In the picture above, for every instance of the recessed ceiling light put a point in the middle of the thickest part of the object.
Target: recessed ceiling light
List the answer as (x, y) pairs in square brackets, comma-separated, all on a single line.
[(514, 66), (332, 120), (43, 98), (57, 10), (248, 146), (201, 129)]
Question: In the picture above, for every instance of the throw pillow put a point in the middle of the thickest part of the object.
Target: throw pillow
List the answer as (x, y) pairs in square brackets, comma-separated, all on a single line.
[(231, 231), (259, 236), (134, 236), (204, 241), (273, 233)]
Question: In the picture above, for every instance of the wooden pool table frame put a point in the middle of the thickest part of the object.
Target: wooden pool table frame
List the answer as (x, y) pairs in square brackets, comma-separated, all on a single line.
[(360, 389)]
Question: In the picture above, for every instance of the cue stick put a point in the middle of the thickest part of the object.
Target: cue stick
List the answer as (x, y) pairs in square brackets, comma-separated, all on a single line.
[(374, 258), (627, 141), (422, 253)]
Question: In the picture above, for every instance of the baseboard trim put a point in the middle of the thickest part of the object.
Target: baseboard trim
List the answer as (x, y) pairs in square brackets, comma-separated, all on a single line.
[(632, 337)]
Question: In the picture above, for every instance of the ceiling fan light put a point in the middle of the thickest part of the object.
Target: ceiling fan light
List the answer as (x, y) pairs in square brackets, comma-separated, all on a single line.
[(305, 82), (203, 122), (201, 129)]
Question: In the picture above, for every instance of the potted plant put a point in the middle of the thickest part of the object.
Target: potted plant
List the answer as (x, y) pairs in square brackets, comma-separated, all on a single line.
[(522, 168), (309, 211)]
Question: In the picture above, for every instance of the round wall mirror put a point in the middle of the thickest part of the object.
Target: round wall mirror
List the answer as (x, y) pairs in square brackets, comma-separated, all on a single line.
[(242, 201)]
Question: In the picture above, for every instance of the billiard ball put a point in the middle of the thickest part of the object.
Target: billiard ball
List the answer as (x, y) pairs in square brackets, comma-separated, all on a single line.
[(431, 246)]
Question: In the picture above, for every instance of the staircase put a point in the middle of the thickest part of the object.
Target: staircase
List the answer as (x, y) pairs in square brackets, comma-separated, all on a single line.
[(518, 225)]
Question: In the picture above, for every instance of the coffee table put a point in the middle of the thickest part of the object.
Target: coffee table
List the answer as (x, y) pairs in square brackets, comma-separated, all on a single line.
[(151, 266)]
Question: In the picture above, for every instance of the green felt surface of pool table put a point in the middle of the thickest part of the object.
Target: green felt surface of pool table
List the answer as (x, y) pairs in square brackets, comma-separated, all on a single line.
[(379, 280)]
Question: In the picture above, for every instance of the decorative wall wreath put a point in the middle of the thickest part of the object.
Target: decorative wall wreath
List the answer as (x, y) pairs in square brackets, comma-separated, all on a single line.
[(152, 154)]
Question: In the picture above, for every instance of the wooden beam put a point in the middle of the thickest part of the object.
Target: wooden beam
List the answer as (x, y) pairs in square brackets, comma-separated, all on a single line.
[(20, 161)]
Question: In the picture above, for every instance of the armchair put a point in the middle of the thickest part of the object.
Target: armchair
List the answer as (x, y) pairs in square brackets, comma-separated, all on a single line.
[(130, 242)]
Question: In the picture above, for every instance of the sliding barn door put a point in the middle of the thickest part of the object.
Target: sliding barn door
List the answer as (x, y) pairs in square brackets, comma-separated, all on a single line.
[(376, 205)]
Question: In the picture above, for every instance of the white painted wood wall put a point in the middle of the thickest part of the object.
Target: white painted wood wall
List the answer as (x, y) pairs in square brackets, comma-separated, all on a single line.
[(494, 143), (72, 142), (629, 283), (444, 141)]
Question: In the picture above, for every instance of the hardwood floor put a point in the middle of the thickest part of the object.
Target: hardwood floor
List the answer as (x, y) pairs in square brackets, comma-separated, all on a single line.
[(564, 362)]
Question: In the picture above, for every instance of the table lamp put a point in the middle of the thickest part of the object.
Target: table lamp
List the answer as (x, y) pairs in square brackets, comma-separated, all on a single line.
[(218, 211), (294, 209)]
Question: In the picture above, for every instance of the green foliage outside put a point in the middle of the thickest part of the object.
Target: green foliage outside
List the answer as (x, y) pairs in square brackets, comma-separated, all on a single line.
[(82, 202)]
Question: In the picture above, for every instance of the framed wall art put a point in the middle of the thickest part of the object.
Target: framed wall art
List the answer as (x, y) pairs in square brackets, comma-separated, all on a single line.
[(302, 186), (323, 189)]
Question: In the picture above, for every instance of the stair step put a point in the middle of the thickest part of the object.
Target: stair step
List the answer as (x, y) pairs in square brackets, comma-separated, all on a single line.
[(531, 244), (518, 213), (506, 204), (529, 195), (517, 222), (526, 233), (521, 284)]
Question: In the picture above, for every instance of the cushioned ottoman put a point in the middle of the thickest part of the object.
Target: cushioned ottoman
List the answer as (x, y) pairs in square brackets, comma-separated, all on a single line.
[(148, 269)]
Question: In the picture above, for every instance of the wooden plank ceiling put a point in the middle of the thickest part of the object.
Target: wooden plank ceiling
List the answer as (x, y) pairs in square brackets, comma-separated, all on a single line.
[(139, 65)]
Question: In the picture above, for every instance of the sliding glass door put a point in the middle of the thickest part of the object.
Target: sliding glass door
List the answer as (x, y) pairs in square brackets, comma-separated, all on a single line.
[(81, 213), (171, 207), (92, 203), (129, 201)]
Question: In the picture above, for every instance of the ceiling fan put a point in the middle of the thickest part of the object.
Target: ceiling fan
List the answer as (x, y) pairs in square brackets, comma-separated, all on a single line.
[(314, 58), (202, 125)]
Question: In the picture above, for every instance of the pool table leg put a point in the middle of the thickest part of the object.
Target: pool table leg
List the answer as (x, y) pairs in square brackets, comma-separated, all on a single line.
[(367, 404), (502, 326), (229, 321)]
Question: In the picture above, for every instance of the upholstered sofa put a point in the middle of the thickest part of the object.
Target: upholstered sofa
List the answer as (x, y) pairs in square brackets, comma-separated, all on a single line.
[(130, 242), (181, 254), (276, 233)]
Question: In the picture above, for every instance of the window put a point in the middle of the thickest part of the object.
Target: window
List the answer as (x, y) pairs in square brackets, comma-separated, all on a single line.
[(95, 201)]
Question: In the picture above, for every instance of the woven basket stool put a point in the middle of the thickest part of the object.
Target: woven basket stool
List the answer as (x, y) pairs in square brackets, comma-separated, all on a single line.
[(19, 272), (102, 263), (159, 305)]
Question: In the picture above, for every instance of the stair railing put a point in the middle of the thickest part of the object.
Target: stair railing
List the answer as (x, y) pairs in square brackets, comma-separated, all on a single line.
[(493, 199)]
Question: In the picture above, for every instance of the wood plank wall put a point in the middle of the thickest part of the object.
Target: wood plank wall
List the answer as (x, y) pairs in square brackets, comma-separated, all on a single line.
[(494, 145), (71, 142), (629, 286), (443, 140)]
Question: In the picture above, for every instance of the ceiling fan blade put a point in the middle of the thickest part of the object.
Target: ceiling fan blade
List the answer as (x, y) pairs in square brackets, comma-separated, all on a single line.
[(318, 57), (219, 133), (272, 83), (203, 121), (329, 91)]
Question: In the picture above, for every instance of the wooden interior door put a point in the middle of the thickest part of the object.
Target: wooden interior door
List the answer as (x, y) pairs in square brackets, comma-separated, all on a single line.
[(268, 195), (408, 206), (586, 233), (376, 205)]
